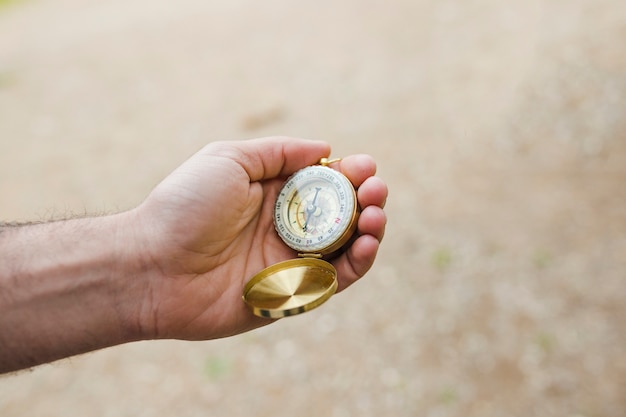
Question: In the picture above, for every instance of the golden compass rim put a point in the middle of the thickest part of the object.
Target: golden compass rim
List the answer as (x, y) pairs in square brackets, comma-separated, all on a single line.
[(350, 225)]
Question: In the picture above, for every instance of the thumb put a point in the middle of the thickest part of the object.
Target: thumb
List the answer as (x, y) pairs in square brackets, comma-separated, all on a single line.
[(275, 156)]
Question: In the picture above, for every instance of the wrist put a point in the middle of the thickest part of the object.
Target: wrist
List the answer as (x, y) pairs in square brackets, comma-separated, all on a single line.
[(66, 288), (132, 271)]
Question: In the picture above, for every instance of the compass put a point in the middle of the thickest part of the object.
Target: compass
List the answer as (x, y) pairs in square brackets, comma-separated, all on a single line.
[(315, 213)]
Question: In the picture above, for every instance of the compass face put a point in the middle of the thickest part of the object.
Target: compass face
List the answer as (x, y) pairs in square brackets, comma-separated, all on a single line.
[(315, 211)]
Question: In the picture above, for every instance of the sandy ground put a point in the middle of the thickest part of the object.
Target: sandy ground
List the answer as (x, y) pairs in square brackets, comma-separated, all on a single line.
[(500, 128)]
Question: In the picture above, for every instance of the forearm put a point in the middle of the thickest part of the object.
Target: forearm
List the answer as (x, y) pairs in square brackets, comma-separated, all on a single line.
[(65, 289)]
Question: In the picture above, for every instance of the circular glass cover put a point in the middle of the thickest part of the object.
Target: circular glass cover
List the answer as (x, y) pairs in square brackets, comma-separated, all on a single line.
[(315, 210)]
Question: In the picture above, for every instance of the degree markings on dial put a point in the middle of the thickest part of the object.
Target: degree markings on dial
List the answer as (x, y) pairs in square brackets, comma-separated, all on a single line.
[(313, 210)]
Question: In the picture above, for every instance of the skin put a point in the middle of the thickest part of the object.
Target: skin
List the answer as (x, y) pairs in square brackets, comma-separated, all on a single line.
[(175, 266)]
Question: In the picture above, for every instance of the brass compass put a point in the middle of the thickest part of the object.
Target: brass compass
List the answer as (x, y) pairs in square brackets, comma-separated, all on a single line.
[(315, 213)]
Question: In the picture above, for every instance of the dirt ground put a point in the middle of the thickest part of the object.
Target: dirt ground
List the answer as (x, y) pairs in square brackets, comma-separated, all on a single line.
[(500, 128)]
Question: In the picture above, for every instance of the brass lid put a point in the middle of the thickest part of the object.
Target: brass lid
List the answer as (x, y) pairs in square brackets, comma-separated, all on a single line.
[(290, 287)]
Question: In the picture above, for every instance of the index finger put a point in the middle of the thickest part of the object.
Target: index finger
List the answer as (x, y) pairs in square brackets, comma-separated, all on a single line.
[(357, 168)]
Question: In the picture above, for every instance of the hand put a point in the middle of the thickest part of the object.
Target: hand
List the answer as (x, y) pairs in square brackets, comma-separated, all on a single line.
[(175, 266), (208, 228)]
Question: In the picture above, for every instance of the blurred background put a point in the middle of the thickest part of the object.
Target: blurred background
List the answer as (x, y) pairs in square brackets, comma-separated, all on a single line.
[(500, 127)]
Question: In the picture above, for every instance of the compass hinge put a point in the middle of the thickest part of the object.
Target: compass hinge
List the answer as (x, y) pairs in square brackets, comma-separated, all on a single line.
[(310, 255)]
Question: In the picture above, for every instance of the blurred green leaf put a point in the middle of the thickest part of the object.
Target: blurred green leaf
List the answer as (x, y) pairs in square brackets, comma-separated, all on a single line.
[(546, 342), (449, 396), (442, 258), (216, 367), (6, 78), (5, 2), (9, 2), (542, 258)]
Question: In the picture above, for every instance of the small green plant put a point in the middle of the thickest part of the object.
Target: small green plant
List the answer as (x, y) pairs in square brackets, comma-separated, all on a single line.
[(217, 367), (5, 2), (546, 342), (6, 78), (442, 258), (449, 396), (542, 258)]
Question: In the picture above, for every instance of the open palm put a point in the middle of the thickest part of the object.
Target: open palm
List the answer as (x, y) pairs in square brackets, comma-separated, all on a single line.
[(207, 229)]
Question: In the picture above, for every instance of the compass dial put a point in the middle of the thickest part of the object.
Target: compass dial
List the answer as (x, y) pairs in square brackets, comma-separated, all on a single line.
[(316, 210)]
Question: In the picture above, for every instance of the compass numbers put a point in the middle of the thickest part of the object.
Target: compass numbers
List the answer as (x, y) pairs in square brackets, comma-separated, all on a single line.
[(314, 208)]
